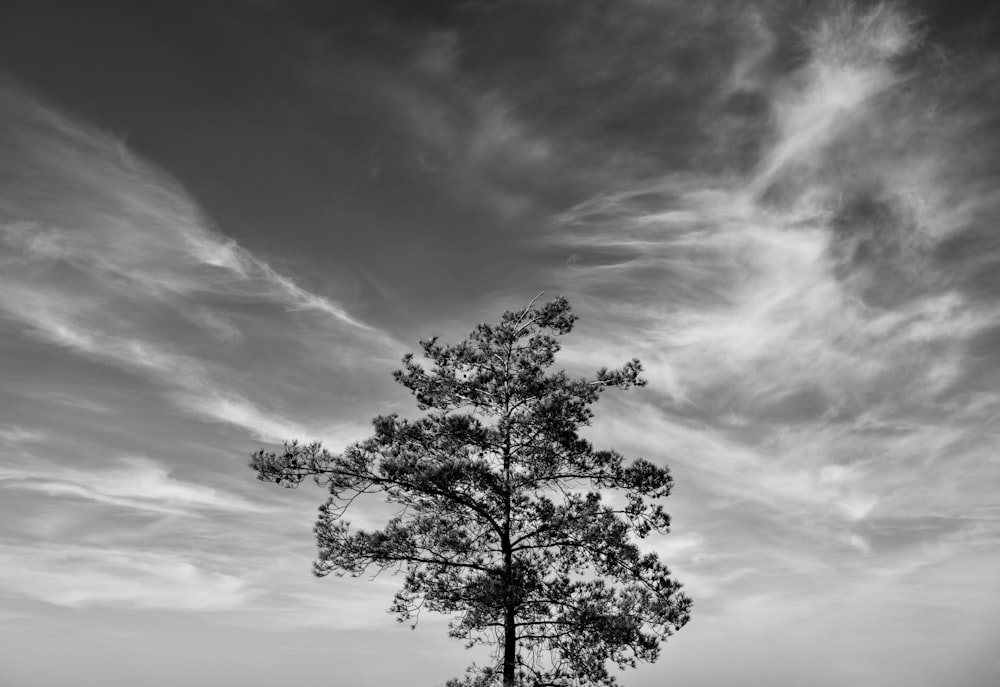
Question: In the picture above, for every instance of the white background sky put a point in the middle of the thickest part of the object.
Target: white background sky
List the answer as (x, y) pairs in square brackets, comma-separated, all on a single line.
[(222, 224)]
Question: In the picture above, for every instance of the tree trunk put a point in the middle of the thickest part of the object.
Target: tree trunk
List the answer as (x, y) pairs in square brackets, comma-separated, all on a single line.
[(510, 594), (509, 646), (510, 606)]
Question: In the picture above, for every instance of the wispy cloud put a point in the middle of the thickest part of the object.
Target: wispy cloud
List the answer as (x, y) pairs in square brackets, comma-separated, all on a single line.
[(471, 136), (803, 320), (19, 435), (139, 483), (95, 205), (787, 210), (80, 577), (108, 257), (850, 65)]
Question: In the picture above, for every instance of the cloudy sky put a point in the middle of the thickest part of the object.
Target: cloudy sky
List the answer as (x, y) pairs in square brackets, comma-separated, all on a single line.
[(222, 224)]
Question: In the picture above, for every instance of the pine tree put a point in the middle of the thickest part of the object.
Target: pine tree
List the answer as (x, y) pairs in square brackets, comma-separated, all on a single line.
[(510, 522)]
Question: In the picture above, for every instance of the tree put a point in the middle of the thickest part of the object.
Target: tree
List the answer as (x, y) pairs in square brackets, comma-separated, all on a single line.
[(503, 522)]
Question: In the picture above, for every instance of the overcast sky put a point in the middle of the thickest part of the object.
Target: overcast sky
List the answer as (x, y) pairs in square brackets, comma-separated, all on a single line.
[(223, 223)]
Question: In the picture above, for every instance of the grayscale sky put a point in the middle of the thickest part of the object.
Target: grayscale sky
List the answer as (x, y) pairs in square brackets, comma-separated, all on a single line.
[(223, 223)]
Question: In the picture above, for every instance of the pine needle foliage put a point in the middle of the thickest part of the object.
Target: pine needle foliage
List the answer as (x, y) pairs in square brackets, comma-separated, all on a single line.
[(502, 519)]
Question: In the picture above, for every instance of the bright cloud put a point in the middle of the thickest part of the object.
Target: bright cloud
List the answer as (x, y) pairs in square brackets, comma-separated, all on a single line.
[(787, 211), (139, 483), (809, 342), (108, 257), (80, 577)]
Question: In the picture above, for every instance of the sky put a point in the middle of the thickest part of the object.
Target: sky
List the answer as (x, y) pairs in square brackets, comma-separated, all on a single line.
[(222, 224)]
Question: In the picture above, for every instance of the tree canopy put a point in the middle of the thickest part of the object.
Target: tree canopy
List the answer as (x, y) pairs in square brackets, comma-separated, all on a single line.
[(509, 521)]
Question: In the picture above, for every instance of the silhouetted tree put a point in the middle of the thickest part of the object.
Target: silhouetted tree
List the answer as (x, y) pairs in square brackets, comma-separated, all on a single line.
[(502, 521)]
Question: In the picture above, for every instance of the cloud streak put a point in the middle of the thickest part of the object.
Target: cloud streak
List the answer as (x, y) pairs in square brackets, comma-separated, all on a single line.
[(81, 577), (108, 257), (140, 483), (119, 218), (787, 210), (805, 321)]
